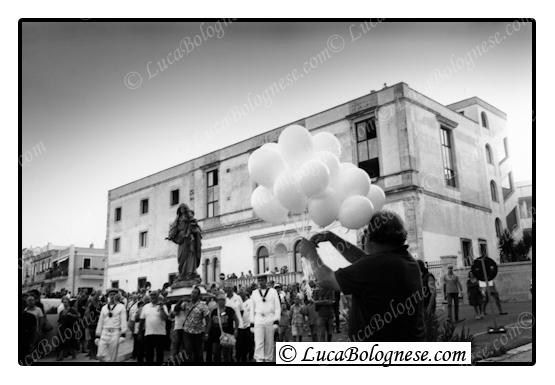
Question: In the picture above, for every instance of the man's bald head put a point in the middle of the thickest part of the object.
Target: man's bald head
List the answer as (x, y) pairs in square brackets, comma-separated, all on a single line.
[(386, 228)]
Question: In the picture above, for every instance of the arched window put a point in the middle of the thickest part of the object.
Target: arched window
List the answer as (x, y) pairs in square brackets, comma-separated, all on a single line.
[(215, 270), (262, 258), (484, 120), (489, 154), (206, 270), (493, 188), (498, 228), (297, 265)]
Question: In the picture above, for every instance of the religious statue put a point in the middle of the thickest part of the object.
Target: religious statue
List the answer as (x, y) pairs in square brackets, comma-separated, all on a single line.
[(186, 233)]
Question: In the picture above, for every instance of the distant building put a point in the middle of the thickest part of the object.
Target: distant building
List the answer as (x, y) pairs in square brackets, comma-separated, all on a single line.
[(52, 269), (526, 210), (445, 169)]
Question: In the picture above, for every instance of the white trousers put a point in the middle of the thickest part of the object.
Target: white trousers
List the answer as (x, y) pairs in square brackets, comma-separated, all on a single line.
[(108, 346), (263, 343)]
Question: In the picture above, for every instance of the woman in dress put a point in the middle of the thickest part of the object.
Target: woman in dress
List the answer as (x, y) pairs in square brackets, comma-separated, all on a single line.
[(475, 295), (67, 319)]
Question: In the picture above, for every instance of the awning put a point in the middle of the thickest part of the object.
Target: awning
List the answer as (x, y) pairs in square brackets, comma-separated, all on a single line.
[(61, 259)]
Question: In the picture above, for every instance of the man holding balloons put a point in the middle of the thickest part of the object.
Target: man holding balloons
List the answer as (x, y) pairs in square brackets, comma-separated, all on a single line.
[(385, 281)]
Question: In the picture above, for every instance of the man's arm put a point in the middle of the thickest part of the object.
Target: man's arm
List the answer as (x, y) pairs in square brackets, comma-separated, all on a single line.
[(123, 320), (163, 312), (324, 275), (349, 251)]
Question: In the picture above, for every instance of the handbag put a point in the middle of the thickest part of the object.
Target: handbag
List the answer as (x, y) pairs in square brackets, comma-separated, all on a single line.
[(226, 340)]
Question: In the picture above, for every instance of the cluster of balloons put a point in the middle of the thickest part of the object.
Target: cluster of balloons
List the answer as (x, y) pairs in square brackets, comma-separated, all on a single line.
[(303, 172)]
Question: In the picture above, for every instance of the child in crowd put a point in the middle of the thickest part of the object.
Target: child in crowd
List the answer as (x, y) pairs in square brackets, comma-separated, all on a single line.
[(312, 314), (297, 318)]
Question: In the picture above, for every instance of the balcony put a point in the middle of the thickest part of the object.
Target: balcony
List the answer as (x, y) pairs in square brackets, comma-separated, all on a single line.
[(91, 273), (284, 279), (57, 275)]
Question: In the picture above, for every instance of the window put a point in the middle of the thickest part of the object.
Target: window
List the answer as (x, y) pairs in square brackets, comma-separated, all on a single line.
[(213, 208), (505, 150), (115, 284), (467, 251), (262, 259), (493, 188), (367, 145), (507, 185), (512, 221), (116, 245), (489, 154), (298, 266), (215, 271), (484, 120), (143, 237), (174, 197), (171, 278), (141, 282), (498, 228), (206, 270), (86, 263), (144, 206), (447, 153), (118, 214), (483, 248)]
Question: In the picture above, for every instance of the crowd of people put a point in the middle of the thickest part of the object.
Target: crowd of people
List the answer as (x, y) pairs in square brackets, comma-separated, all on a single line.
[(190, 329), (228, 323)]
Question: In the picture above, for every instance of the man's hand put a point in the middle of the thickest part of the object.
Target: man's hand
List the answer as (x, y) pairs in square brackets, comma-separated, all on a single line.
[(276, 327), (325, 236)]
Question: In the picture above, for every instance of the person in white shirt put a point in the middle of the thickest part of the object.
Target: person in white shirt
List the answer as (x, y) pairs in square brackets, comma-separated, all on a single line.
[(112, 324), (153, 322), (265, 315), (234, 301)]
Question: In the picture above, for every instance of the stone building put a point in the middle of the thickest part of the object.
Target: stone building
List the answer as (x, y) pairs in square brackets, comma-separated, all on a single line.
[(445, 169), (52, 269)]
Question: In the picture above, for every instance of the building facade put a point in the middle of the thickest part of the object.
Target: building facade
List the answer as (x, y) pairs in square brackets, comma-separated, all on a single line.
[(446, 171), (51, 269)]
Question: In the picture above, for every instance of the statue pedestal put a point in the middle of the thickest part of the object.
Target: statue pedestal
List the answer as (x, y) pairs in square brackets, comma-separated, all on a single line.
[(183, 289)]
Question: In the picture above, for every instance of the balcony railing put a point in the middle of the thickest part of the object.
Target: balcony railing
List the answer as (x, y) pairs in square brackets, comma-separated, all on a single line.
[(284, 279), (92, 272), (56, 274)]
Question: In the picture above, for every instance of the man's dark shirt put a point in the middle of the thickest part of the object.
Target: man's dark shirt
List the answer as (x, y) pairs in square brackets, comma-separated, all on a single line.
[(375, 281), (324, 311)]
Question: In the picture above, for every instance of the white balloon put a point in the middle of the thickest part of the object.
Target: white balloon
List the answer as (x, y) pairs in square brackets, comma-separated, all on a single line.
[(271, 146), (265, 165), (331, 161), (377, 197), (324, 208), (355, 212), (326, 141), (267, 207), (314, 177), (288, 192), (353, 181), (295, 146), (346, 166)]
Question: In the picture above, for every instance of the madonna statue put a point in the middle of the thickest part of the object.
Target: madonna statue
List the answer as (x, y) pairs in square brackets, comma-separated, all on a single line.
[(186, 233)]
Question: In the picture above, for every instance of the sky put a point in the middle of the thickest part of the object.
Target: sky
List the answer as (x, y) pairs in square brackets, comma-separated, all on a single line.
[(105, 104)]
